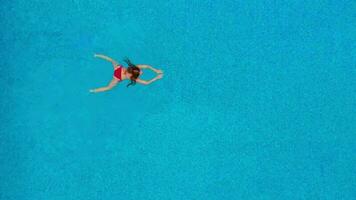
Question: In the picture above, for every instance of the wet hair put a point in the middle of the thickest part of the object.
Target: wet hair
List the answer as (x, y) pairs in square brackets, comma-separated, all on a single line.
[(133, 70)]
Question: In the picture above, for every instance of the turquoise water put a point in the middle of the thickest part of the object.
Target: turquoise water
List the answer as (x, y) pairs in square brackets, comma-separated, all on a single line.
[(257, 101)]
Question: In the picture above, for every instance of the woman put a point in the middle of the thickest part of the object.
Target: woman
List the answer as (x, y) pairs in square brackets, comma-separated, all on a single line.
[(132, 72)]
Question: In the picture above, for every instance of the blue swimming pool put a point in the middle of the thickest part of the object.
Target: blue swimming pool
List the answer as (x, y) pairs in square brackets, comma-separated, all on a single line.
[(257, 100)]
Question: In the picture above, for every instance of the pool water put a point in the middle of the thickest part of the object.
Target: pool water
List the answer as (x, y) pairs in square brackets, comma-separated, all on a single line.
[(257, 100)]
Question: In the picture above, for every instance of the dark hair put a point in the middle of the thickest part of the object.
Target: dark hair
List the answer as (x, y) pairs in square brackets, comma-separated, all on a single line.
[(134, 70)]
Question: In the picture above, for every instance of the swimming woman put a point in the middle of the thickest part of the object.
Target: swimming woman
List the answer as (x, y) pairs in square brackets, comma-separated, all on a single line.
[(132, 72)]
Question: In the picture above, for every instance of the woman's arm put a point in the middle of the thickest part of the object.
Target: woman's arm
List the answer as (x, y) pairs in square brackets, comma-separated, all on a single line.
[(159, 76), (106, 58), (150, 67)]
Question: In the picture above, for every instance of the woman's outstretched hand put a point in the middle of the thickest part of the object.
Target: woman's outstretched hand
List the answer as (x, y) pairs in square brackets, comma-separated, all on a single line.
[(159, 76)]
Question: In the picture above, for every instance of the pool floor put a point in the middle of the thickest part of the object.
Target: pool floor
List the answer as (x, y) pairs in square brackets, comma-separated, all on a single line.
[(257, 100)]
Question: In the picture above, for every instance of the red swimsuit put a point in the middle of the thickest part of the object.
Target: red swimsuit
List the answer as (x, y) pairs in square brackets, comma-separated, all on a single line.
[(117, 72)]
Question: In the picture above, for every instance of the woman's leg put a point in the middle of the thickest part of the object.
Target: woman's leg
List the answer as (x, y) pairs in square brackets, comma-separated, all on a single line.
[(112, 84), (113, 62)]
